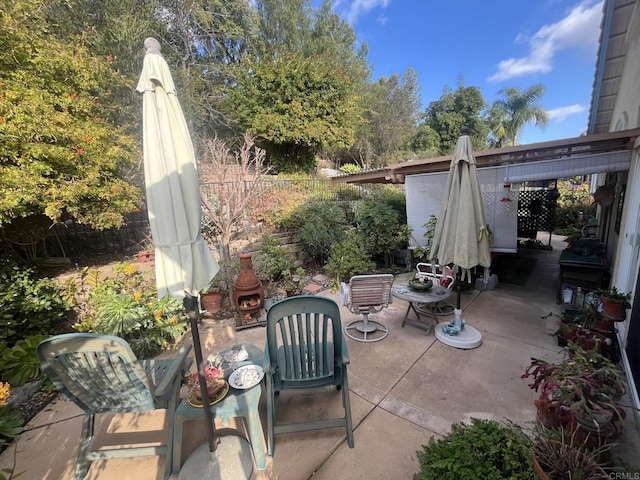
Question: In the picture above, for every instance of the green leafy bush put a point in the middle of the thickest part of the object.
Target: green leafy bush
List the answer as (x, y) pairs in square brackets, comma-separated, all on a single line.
[(271, 260), (28, 305), (10, 419), (575, 199), (318, 225), (20, 364), (349, 257), (126, 305), (485, 450), (378, 222)]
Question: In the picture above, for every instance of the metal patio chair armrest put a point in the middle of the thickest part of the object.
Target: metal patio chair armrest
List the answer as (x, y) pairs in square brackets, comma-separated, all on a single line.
[(166, 371)]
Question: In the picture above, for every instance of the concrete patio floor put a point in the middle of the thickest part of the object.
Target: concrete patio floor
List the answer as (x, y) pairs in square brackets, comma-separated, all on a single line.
[(405, 390)]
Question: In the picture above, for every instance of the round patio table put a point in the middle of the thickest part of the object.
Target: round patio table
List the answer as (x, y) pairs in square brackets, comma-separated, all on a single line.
[(419, 302)]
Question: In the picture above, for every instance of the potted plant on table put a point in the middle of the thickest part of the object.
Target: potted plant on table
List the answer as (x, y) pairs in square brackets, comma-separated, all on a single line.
[(214, 377), (615, 303)]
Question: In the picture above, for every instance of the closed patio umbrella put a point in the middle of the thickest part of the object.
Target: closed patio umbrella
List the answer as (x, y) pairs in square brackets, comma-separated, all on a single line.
[(461, 235), (184, 264)]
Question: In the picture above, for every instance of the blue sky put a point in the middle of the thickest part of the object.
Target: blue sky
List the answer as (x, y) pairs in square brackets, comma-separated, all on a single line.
[(489, 44)]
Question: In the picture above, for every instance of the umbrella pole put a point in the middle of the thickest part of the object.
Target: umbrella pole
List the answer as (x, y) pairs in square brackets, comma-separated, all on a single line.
[(458, 287), (191, 306)]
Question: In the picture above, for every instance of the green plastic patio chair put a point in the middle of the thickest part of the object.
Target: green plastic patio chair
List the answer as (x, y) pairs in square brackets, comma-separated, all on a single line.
[(305, 350), (101, 374)]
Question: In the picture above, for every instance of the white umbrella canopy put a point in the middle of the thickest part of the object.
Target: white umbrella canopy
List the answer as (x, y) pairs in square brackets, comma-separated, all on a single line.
[(462, 235), (184, 263)]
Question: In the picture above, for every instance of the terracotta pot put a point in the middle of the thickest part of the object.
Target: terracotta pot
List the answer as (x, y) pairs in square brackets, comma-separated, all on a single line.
[(589, 339), (537, 468), (614, 310), (211, 302), (573, 458), (551, 414)]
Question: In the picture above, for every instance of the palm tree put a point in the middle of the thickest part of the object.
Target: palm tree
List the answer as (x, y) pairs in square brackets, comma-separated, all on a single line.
[(515, 110)]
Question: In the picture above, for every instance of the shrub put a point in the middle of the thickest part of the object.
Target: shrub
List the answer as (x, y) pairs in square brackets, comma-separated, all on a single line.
[(271, 260), (484, 449), (349, 257), (318, 225), (126, 305), (20, 364), (275, 207), (378, 223), (29, 305), (10, 419), (575, 199)]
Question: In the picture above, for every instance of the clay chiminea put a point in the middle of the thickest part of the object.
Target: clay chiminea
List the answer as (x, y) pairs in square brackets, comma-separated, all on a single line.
[(248, 293)]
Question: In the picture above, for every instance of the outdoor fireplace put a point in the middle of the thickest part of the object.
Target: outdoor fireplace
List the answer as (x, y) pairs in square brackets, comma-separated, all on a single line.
[(248, 295)]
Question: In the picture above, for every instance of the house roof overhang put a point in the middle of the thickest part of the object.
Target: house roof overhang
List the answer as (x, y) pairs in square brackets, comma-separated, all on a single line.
[(579, 146)]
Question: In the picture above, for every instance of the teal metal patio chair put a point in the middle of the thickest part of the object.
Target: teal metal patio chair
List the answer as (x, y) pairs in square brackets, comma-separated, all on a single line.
[(305, 349), (101, 374)]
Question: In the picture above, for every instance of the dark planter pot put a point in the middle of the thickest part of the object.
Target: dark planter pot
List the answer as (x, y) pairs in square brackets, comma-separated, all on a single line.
[(594, 436), (401, 258), (605, 326)]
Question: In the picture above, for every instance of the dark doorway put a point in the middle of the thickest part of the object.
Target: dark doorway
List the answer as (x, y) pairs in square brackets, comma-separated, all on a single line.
[(633, 337)]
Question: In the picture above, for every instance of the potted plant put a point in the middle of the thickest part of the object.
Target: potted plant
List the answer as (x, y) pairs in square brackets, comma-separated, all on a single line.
[(214, 377), (556, 456), (211, 298), (583, 392), (615, 303), (294, 281)]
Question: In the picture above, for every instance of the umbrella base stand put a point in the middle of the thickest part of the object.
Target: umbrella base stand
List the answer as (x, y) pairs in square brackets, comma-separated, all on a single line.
[(232, 460), (466, 339)]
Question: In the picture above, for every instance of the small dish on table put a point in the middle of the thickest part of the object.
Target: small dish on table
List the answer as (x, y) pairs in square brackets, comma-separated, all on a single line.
[(245, 377), (420, 285)]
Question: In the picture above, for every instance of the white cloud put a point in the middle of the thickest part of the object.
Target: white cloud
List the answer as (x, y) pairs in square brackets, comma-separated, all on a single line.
[(560, 113), (580, 28), (354, 8)]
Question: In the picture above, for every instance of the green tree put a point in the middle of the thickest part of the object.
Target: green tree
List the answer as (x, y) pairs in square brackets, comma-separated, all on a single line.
[(299, 105), (203, 42), (516, 109), (391, 117), (456, 108), (66, 147)]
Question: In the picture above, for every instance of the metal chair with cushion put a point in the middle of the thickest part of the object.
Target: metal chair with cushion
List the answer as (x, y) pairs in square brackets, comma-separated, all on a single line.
[(442, 276), (305, 350), (101, 374), (366, 294)]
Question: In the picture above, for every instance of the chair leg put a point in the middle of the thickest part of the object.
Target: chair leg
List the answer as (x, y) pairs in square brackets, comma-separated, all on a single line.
[(347, 406), (86, 440), (270, 416)]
